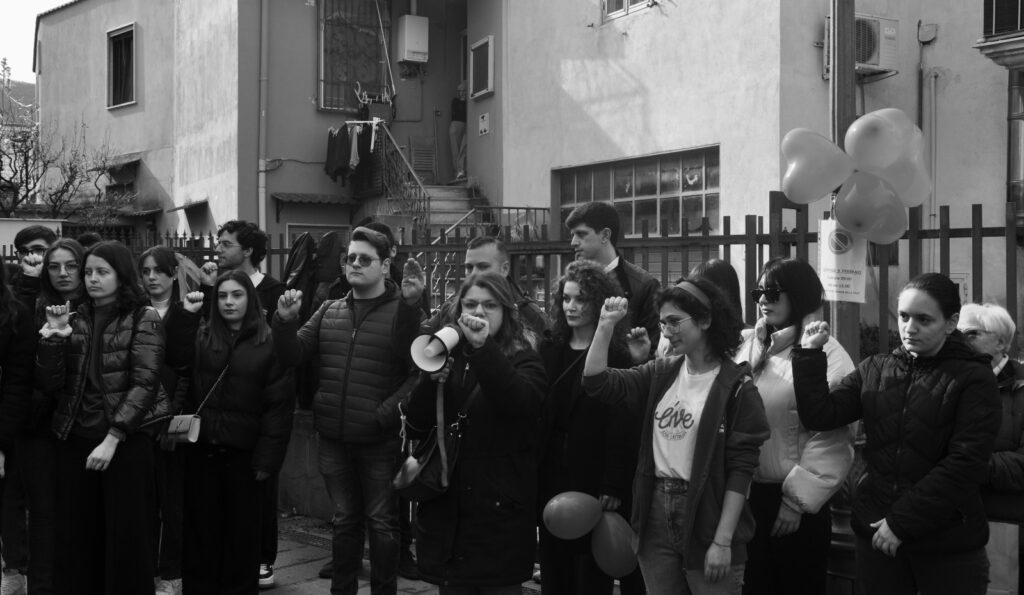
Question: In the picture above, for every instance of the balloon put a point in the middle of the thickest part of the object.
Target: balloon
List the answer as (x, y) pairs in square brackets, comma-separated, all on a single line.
[(878, 139), (860, 202), (571, 515), (892, 224), (816, 166), (612, 545), (908, 175)]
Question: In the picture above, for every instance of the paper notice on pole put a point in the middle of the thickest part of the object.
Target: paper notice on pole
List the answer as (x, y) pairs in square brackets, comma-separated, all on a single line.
[(842, 258)]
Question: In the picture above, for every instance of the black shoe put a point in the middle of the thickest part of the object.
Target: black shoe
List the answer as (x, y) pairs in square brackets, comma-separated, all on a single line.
[(327, 570), (407, 566)]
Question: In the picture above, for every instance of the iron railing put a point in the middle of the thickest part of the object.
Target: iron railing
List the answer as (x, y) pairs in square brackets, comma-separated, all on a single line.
[(405, 194)]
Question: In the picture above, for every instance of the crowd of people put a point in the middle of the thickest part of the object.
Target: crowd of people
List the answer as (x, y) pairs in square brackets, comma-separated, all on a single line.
[(721, 445)]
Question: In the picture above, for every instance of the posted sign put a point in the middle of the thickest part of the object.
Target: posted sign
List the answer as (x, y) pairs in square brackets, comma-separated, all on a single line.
[(842, 258)]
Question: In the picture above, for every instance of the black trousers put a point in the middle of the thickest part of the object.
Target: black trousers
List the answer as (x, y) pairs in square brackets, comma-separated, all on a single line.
[(268, 521), (921, 573), (35, 469), (794, 564), (222, 522), (168, 515), (103, 519)]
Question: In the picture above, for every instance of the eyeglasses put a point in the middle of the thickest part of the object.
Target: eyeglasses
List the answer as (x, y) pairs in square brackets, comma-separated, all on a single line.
[(672, 325), (37, 250), (364, 260), (973, 333), (771, 294), (55, 267)]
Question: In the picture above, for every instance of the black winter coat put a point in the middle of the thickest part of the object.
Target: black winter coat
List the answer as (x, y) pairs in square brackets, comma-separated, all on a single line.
[(1003, 489), (481, 531), (593, 448), (133, 351), (930, 424), (17, 350), (252, 406)]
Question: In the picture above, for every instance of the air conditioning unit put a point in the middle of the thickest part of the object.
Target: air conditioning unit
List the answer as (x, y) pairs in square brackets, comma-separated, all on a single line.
[(413, 35), (876, 45)]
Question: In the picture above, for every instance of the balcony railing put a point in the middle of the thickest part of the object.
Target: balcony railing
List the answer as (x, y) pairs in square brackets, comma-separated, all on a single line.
[(404, 192), (1002, 17)]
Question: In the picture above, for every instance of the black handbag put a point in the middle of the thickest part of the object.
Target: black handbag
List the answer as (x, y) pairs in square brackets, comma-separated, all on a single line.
[(426, 472)]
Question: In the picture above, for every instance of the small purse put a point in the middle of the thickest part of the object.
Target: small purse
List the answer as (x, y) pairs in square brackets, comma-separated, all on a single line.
[(185, 428), (425, 474)]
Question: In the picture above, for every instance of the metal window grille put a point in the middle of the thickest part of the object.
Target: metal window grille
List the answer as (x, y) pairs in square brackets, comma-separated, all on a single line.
[(352, 51)]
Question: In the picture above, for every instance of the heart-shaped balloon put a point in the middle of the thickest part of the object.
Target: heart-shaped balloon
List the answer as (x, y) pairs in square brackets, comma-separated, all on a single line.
[(878, 139), (892, 224), (816, 166), (863, 201), (611, 543), (908, 175)]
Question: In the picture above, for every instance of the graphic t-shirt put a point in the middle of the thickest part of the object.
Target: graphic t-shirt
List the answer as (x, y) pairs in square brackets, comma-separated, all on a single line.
[(676, 419)]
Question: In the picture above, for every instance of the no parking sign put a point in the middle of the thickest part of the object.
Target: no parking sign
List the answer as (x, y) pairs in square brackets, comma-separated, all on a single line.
[(842, 259)]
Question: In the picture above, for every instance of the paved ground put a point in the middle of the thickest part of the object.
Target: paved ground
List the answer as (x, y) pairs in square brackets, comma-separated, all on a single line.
[(304, 546)]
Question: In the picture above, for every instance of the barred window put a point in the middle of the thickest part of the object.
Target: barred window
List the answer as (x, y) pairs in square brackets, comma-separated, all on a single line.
[(353, 35)]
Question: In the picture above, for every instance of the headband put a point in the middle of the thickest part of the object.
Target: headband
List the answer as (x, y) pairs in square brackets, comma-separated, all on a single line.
[(695, 291)]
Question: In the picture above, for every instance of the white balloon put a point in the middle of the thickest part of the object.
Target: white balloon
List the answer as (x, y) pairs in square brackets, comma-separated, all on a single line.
[(816, 166)]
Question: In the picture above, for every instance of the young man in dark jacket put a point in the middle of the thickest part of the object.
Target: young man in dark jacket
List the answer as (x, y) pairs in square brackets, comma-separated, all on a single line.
[(594, 230), (242, 246), (361, 346)]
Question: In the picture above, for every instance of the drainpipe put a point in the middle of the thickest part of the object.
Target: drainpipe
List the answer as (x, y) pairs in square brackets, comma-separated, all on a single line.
[(261, 176)]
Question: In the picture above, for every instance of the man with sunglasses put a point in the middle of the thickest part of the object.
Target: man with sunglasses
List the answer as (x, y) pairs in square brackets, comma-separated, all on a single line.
[(360, 347)]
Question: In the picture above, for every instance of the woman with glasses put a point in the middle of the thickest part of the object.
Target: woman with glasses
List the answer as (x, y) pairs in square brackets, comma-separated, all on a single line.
[(799, 470), (479, 536), (703, 423), (931, 413), (103, 361), (989, 330), (586, 446)]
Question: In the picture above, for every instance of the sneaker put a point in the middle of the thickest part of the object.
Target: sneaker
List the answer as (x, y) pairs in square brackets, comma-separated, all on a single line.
[(460, 175), (266, 576), (168, 587), (12, 583), (407, 566), (327, 570)]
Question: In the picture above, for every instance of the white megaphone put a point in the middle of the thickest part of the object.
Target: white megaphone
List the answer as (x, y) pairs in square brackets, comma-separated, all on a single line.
[(430, 352)]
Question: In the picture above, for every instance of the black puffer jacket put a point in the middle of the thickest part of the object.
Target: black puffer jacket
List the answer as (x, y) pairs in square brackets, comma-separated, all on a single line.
[(133, 351), (1003, 489), (364, 365), (930, 424), (17, 349), (251, 408)]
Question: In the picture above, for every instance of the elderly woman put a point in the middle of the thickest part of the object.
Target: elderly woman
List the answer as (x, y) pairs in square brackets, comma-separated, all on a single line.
[(988, 329)]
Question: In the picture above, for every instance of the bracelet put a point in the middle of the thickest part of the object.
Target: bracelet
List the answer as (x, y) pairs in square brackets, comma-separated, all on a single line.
[(720, 544)]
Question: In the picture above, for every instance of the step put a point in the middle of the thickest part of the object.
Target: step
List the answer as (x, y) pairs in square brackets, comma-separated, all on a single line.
[(450, 204), (447, 191)]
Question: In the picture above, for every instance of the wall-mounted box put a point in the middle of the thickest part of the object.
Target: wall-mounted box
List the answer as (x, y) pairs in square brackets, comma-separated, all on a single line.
[(413, 37)]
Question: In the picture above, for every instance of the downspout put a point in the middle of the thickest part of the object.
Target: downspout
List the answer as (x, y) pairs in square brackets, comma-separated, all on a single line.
[(261, 175)]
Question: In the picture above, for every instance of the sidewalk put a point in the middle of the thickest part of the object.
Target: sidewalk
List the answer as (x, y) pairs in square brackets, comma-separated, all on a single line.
[(304, 545)]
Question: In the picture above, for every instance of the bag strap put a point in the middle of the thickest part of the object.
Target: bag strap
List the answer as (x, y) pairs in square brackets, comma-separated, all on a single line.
[(212, 388)]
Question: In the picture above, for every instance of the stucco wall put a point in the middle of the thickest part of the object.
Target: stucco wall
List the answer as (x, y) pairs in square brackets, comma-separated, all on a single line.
[(484, 154), (662, 79), (205, 111), (73, 79)]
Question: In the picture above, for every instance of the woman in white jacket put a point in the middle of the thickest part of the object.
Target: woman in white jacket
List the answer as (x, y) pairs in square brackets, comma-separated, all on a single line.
[(799, 470)]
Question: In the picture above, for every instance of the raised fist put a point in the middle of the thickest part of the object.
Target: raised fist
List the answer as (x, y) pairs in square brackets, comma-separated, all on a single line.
[(614, 310), (288, 305), (193, 301), (208, 273), (815, 335)]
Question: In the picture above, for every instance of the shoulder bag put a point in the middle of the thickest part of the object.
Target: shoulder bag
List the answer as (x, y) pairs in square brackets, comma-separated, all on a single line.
[(185, 428)]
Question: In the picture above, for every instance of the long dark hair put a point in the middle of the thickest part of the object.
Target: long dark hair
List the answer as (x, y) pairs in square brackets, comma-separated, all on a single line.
[(165, 261), (723, 333), (722, 274), (940, 288), (130, 296), (9, 303), (216, 335), (595, 286), (49, 294), (513, 336)]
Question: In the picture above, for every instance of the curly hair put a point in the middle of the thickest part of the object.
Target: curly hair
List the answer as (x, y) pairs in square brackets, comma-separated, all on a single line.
[(595, 286), (249, 235), (513, 336), (130, 296), (723, 335)]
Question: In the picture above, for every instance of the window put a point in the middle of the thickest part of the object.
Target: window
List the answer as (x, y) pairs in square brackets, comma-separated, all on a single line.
[(617, 8), (481, 67), (1002, 16), (659, 191), (121, 66), (351, 51), (1015, 112)]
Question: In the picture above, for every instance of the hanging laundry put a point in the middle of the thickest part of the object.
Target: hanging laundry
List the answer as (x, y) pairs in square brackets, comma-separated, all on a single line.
[(354, 130), (338, 152)]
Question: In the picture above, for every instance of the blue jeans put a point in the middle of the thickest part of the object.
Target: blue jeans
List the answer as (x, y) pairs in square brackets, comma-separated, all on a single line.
[(358, 479), (661, 551)]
